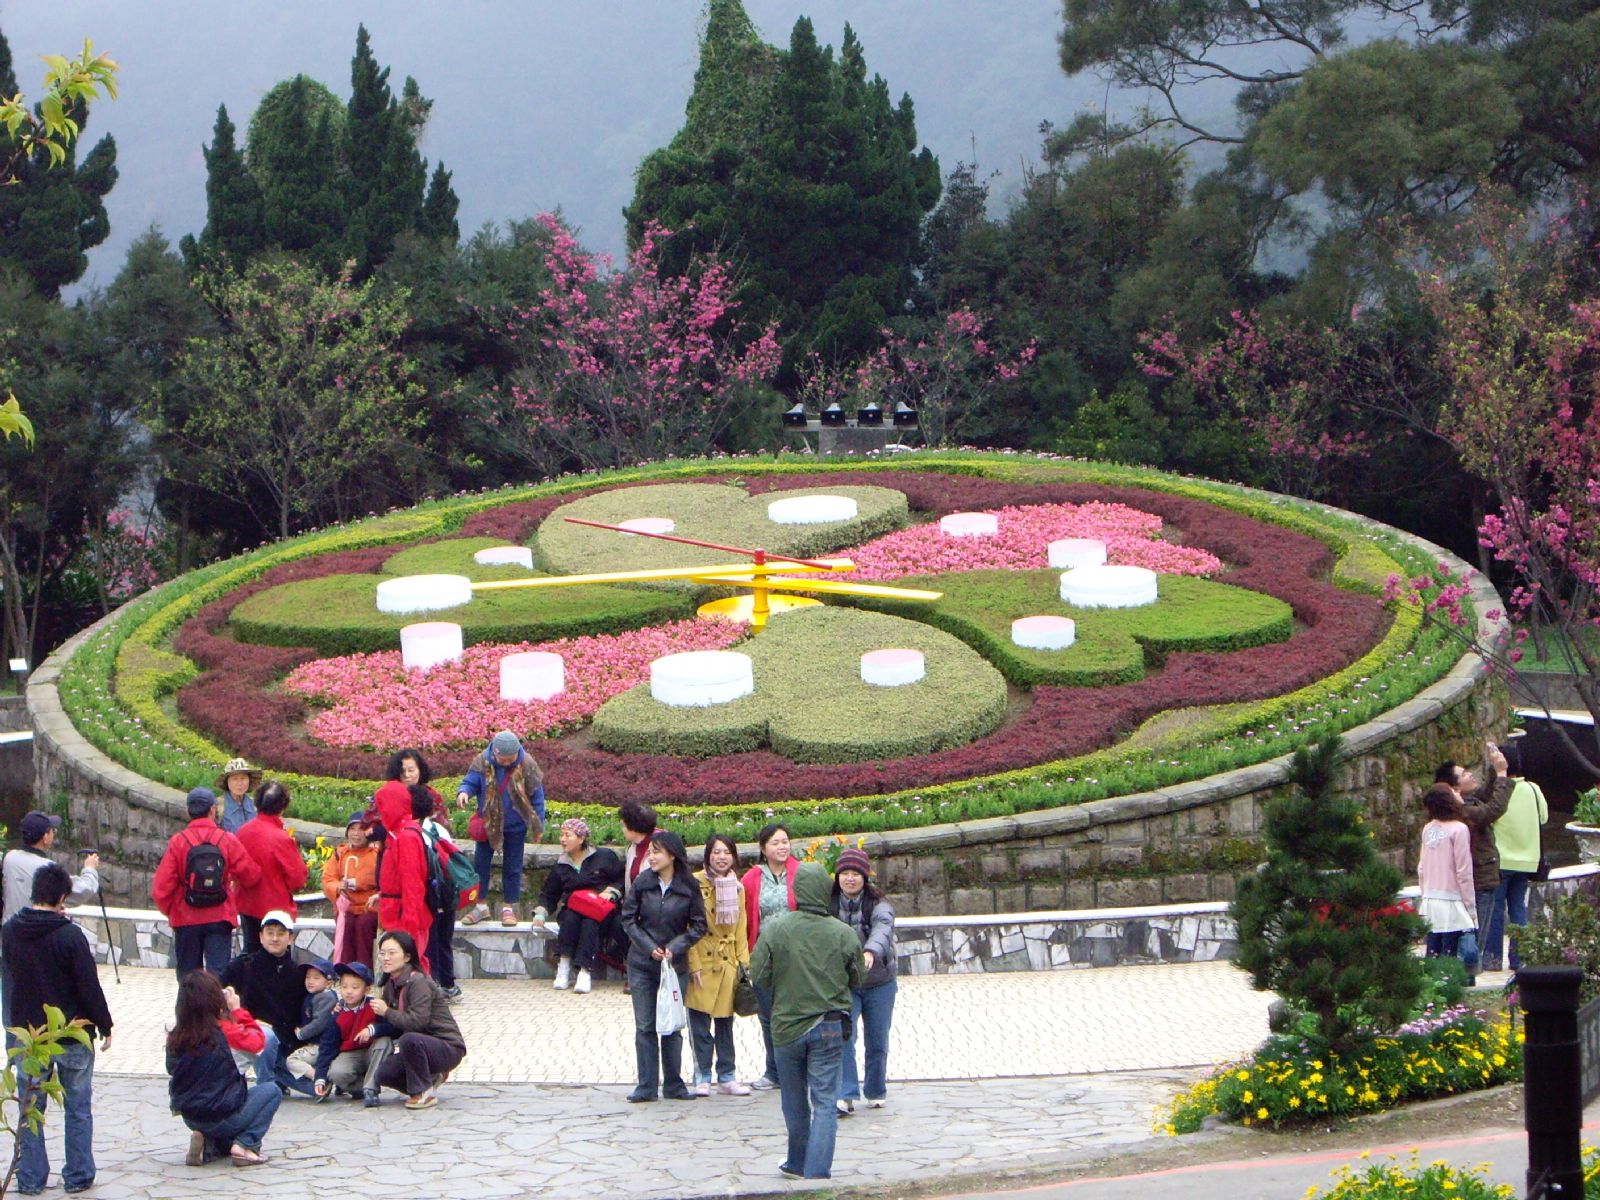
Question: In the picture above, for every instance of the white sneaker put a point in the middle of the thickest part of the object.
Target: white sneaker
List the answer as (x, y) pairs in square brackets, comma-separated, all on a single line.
[(583, 982), (876, 1103), (564, 975)]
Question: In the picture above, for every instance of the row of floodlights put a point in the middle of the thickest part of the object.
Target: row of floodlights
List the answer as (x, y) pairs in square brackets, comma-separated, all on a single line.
[(904, 416)]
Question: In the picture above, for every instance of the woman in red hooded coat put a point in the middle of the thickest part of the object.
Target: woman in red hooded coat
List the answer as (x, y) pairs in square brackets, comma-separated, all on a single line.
[(403, 873)]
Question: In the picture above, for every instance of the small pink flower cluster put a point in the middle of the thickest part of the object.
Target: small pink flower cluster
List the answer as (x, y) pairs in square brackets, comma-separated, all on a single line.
[(1023, 542), (378, 703)]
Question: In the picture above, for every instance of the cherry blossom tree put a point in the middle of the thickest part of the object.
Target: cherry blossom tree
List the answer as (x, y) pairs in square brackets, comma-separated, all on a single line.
[(631, 365)]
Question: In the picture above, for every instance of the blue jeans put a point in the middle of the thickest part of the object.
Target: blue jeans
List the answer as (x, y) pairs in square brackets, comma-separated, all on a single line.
[(808, 1082), (74, 1067), (764, 1011), (271, 1065), (874, 1007), (512, 841), (1509, 902), (712, 1034), (658, 1060), (247, 1126)]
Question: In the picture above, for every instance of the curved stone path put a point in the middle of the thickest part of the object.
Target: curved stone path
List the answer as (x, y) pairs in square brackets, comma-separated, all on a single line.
[(988, 1073)]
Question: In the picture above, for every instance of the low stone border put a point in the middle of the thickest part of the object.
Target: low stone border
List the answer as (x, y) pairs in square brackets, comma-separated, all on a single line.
[(1042, 941)]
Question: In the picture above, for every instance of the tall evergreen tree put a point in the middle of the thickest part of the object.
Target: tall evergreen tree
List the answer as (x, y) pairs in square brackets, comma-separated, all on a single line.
[(804, 170), (234, 230), (293, 156), (385, 176), (50, 216), (438, 216)]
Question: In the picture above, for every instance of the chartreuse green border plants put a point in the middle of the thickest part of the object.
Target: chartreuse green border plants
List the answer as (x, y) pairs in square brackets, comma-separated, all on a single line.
[(116, 687)]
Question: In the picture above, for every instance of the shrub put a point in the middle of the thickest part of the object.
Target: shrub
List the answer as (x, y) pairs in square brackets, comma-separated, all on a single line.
[(338, 614), (1390, 1181), (1113, 645), (1288, 1080), (810, 704), (726, 515), (1569, 936), (1318, 923)]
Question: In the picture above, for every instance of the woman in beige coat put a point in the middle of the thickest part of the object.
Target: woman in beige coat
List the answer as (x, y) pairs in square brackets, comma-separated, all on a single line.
[(714, 963)]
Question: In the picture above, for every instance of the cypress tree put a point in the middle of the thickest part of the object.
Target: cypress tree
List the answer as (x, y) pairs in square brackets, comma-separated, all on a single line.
[(438, 217), (50, 216), (293, 154), (386, 176), (1318, 922), (233, 231), (799, 165)]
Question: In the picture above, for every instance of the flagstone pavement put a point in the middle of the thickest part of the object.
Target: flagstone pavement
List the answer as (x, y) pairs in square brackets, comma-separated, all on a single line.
[(987, 1073)]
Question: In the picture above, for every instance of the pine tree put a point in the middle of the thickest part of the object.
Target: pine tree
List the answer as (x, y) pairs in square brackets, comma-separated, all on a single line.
[(50, 216), (800, 167), (233, 231), (1318, 922), (385, 176), (293, 155), (438, 217)]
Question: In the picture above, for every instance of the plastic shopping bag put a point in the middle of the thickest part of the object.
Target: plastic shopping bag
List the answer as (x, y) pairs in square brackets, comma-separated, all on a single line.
[(671, 1016)]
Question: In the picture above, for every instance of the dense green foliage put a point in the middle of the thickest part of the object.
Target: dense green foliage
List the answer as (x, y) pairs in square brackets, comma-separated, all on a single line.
[(707, 512), (51, 214), (1113, 645), (810, 703), (805, 171), (1318, 923)]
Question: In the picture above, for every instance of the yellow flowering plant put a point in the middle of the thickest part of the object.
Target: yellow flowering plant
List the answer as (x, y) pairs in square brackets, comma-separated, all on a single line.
[(827, 850), (1392, 1181), (1289, 1080)]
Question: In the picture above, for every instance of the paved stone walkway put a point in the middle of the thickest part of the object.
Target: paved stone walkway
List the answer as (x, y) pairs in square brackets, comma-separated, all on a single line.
[(987, 1072)]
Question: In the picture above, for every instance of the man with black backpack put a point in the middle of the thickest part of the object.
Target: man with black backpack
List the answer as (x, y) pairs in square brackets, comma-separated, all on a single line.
[(194, 884)]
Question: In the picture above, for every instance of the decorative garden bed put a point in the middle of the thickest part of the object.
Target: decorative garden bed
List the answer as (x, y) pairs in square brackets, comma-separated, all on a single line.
[(1289, 637)]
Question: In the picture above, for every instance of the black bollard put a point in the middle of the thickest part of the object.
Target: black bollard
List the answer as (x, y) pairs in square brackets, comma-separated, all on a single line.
[(1552, 1081)]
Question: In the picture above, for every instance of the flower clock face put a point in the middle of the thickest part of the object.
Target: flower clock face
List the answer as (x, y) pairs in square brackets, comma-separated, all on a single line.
[(1020, 660)]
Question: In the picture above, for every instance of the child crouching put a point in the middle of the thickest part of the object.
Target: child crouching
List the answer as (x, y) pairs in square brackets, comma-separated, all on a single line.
[(346, 1057)]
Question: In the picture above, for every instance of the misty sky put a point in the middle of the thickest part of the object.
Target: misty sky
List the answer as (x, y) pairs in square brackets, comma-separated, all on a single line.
[(537, 103)]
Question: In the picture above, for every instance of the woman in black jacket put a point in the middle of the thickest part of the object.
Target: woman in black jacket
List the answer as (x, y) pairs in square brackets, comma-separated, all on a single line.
[(581, 868), (663, 915), (205, 1087)]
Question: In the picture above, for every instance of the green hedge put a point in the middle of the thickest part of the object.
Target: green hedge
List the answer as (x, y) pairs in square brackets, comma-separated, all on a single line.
[(451, 556), (710, 512), (809, 697), (338, 614), (1114, 645)]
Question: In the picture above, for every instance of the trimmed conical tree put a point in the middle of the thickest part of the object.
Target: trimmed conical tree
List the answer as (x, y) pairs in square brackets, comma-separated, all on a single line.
[(1318, 922)]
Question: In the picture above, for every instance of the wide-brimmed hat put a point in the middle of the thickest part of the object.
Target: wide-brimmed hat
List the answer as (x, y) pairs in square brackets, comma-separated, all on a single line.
[(238, 766)]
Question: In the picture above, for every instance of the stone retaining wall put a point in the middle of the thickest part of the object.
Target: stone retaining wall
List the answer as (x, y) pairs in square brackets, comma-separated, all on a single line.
[(1036, 941), (1180, 844)]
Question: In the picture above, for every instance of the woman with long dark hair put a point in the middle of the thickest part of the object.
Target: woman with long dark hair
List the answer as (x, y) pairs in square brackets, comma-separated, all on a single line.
[(204, 1085), (410, 768), (1446, 899), (768, 891), (663, 917)]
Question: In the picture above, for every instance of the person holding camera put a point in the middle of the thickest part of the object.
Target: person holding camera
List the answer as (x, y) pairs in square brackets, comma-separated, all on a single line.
[(38, 833)]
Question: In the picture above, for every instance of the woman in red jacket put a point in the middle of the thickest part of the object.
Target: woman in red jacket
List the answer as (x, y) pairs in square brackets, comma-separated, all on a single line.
[(768, 891), (283, 870), (403, 875)]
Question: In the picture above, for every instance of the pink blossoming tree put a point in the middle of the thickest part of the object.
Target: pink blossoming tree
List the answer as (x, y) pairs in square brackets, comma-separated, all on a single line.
[(631, 365)]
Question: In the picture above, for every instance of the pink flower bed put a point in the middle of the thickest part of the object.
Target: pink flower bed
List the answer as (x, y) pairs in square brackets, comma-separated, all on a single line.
[(377, 702), (1023, 541)]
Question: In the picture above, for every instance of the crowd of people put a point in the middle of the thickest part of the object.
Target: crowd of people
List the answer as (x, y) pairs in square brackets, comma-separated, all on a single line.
[(1480, 850), (812, 957)]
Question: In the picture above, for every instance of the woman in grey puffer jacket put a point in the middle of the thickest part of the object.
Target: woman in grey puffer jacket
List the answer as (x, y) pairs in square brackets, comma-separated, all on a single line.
[(857, 903)]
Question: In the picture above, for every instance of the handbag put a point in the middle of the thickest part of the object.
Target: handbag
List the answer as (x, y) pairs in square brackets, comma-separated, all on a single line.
[(745, 1003), (671, 1015), (587, 902), (478, 828), (1542, 871)]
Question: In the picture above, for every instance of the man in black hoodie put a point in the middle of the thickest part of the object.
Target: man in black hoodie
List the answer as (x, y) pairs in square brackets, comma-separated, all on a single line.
[(271, 984), (47, 961)]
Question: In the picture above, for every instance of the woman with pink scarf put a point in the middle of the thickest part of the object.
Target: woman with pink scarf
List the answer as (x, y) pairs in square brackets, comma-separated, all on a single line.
[(714, 963)]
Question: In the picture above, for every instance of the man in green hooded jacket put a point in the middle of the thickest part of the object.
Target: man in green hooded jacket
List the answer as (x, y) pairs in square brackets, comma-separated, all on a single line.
[(810, 960)]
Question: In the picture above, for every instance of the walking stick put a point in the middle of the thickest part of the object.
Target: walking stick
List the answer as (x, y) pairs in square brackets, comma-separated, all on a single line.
[(111, 946)]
